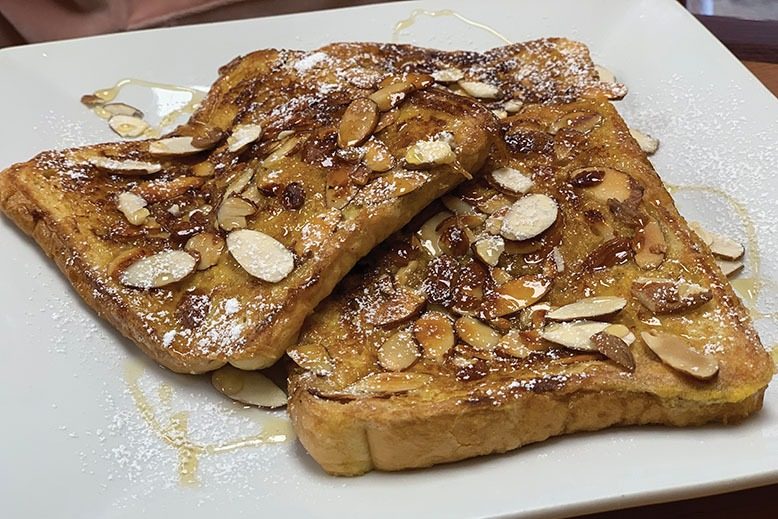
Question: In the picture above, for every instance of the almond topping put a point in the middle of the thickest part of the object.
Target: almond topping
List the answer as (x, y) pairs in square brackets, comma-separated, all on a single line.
[(157, 270), (428, 233), (399, 352), (615, 349), (677, 353), (726, 248), (480, 89), (588, 307), (133, 207), (391, 95), (457, 206), (285, 148), (358, 122), (207, 137), (122, 109), (729, 267), (435, 334), (260, 255), (513, 105), (208, 247), (448, 75), (650, 246), (704, 235), (233, 212), (476, 334), (489, 249), (665, 296), (583, 122), (401, 305), (648, 144), (403, 182), (605, 75), (377, 157), (515, 295), (512, 345), (248, 387), (128, 125), (529, 216), (312, 357), (125, 167), (173, 146), (575, 334), (243, 135), (159, 190), (605, 183), (622, 332), (430, 153), (386, 384), (512, 180)]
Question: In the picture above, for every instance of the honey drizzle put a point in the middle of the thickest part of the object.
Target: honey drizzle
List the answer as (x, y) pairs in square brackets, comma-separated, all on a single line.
[(176, 432), (408, 22), (111, 93)]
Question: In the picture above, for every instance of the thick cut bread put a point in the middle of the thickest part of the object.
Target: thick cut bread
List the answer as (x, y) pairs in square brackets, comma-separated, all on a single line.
[(324, 191), (434, 351)]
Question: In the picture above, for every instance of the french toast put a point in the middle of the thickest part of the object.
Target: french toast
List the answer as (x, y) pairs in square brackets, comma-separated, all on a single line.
[(211, 245), (559, 292)]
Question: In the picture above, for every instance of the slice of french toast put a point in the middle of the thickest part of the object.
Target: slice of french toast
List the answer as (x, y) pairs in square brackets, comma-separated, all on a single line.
[(560, 292), (213, 244)]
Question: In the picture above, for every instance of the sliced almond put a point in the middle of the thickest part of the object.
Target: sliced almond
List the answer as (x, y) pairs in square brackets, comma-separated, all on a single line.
[(399, 351), (448, 75), (480, 89), (648, 144), (238, 183), (457, 206), (418, 81), (430, 153), (665, 296), (203, 169), (401, 305), (173, 146), (377, 157), (515, 295), (575, 334), (403, 182), (677, 353), (477, 334), (512, 345), (233, 212), (428, 233), (719, 244), (312, 357), (622, 332), (512, 180), (161, 190), (529, 216), (435, 334), (248, 387), (704, 235), (91, 100), (604, 75), (286, 148), (650, 246), (125, 167), (489, 249), (588, 307), (604, 183), (158, 270), (260, 255), (391, 95), (582, 121), (615, 349), (133, 207), (208, 248), (493, 204), (357, 123), (729, 267), (513, 105), (207, 137), (128, 125), (387, 384), (242, 135), (122, 109)]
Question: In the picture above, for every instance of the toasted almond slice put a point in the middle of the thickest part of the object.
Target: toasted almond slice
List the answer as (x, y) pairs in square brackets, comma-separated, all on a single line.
[(574, 334), (203, 169), (435, 333), (312, 357), (477, 334), (391, 95), (666, 296), (122, 109), (605, 75), (207, 137), (729, 267), (91, 100), (238, 183), (512, 180), (248, 387), (260, 255), (399, 351), (588, 307), (704, 235), (128, 125), (448, 75), (725, 247), (242, 135), (622, 332), (385, 384), (515, 295), (398, 307), (208, 248), (430, 153), (648, 144), (358, 122), (283, 150), (457, 206), (513, 105), (428, 233), (615, 349), (377, 157), (489, 249), (480, 89), (529, 216), (403, 182), (233, 212), (513, 345), (418, 81), (604, 183), (133, 207), (158, 270), (125, 167), (677, 353), (173, 146), (650, 246), (580, 121)]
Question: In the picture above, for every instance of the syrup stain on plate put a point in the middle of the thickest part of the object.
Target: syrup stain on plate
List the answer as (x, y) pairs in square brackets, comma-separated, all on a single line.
[(406, 23)]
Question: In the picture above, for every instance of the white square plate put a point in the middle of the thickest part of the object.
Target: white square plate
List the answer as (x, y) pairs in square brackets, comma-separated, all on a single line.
[(77, 440)]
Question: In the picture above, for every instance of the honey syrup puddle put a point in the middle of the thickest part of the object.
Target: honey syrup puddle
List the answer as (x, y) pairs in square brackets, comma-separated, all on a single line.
[(176, 431), (406, 23), (110, 94)]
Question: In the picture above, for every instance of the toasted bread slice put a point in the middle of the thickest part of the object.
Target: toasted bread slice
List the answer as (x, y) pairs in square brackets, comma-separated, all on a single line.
[(320, 155), (456, 338)]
